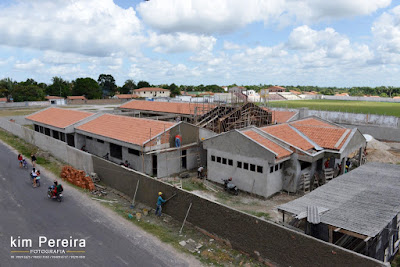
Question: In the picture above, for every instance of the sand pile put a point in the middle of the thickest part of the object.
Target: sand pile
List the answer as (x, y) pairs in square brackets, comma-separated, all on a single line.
[(380, 152)]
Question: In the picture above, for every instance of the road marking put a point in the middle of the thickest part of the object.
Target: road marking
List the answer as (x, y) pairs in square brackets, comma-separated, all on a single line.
[(125, 262)]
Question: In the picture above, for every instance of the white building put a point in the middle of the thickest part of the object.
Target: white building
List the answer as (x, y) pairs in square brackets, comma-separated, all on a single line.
[(152, 92)]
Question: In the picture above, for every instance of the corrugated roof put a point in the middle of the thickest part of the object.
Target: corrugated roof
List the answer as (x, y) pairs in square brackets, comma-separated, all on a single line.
[(59, 117), (125, 129), (287, 134), (151, 89), (274, 147), (167, 107), (363, 200)]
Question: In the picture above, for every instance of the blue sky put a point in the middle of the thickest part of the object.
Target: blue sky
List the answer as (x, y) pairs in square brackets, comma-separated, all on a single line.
[(307, 42)]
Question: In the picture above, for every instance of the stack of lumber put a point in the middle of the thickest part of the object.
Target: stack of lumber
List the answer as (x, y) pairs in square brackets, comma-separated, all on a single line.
[(77, 177)]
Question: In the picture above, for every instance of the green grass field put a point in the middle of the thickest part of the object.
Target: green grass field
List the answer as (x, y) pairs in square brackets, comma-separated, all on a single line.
[(381, 108)]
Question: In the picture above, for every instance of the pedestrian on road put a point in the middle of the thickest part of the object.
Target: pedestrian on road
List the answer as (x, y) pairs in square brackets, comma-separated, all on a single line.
[(33, 159), (20, 160), (36, 179), (33, 175), (160, 201)]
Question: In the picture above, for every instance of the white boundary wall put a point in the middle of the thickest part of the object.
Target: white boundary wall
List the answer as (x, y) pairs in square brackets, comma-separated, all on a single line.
[(75, 157)]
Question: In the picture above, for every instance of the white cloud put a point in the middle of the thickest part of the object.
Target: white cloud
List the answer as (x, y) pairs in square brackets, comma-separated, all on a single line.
[(90, 27), (32, 65), (222, 16), (180, 42), (386, 33), (231, 46)]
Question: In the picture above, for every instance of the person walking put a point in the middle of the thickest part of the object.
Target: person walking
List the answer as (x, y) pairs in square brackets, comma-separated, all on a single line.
[(20, 160), (200, 172), (160, 201), (33, 159)]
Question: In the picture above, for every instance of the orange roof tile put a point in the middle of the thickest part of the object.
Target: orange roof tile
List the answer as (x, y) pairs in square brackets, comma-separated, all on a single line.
[(53, 97), (76, 97), (295, 92), (59, 117), (168, 107), (280, 116), (151, 89), (126, 129), (279, 150), (395, 97), (285, 133), (326, 135), (127, 96), (3, 99)]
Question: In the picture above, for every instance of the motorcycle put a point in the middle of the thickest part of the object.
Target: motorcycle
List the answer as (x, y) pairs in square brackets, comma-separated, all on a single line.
[(230, 187), (50, 195)]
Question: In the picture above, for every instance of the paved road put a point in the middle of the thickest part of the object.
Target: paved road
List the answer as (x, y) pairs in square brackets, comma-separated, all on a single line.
[(110, 240)]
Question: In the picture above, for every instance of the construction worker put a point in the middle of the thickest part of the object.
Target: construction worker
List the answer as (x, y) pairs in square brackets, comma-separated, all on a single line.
[(160, 201)]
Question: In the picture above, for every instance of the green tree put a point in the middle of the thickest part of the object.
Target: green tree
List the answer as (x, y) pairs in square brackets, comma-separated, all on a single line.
[(87, 87), (107, 84), (6, 87), (59, 87), (174, 90), (142, 84), (27, 93), (128, 87)]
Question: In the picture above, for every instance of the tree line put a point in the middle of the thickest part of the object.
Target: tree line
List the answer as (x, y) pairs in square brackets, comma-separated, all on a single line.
[(105, 87)]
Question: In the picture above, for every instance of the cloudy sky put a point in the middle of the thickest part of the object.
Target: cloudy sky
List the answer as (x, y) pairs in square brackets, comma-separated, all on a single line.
[(282, 42)]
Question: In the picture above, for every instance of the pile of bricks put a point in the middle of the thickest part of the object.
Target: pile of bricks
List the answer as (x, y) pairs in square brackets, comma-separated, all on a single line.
[(77, 177)]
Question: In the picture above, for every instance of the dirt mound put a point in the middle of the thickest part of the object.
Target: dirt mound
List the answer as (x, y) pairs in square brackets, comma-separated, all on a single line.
[(77, 177), (375, 144)]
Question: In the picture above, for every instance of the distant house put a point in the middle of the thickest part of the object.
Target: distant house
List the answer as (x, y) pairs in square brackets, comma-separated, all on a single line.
[(126, 96), (152, 92), (76, 99), (342, 94), (3, 100), (276, 89), (56, 100), (295, 92)]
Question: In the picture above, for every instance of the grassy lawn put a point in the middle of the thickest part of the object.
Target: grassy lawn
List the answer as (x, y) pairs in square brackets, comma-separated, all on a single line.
[(18, 112), (381, 108)]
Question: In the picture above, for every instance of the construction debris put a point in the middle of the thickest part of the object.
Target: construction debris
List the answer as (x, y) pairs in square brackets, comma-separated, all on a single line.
[(77, 177)]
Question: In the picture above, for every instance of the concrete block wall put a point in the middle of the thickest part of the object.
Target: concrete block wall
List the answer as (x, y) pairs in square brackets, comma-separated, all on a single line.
[(77, 158), (262, 239), (264, 184)]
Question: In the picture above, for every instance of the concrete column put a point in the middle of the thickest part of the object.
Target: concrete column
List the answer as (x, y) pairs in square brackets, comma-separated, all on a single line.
[(360, 152), (343, 165)]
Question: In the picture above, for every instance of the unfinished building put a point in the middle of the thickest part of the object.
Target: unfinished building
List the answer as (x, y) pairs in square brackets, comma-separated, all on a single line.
[(224, 118), (359, 210), (291, 156)]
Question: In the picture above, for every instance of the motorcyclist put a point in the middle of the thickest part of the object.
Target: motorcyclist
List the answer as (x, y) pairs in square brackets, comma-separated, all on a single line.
[(56, 189)]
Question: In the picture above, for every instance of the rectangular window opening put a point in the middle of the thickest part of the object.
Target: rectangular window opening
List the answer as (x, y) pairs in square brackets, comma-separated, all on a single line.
[(245, 166), (239, 164), (224, 161), (271, 169), (116, 151), (88, 137), (252, 167), (259, 169), (276, 167), (219, 159), (134, 151), (212, 158), (100, 141), (230, 162)]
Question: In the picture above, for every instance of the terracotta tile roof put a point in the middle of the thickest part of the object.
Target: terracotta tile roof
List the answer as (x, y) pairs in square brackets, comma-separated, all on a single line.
[(59, 117), (281, 151), (395, 97), (342, 94), (167, 107), (151, 89), (3, 99), (326, 135), (126, 96), (295, 92), (72, 97), (126, 129), (280, 116), (53, 97), (285, 133)]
